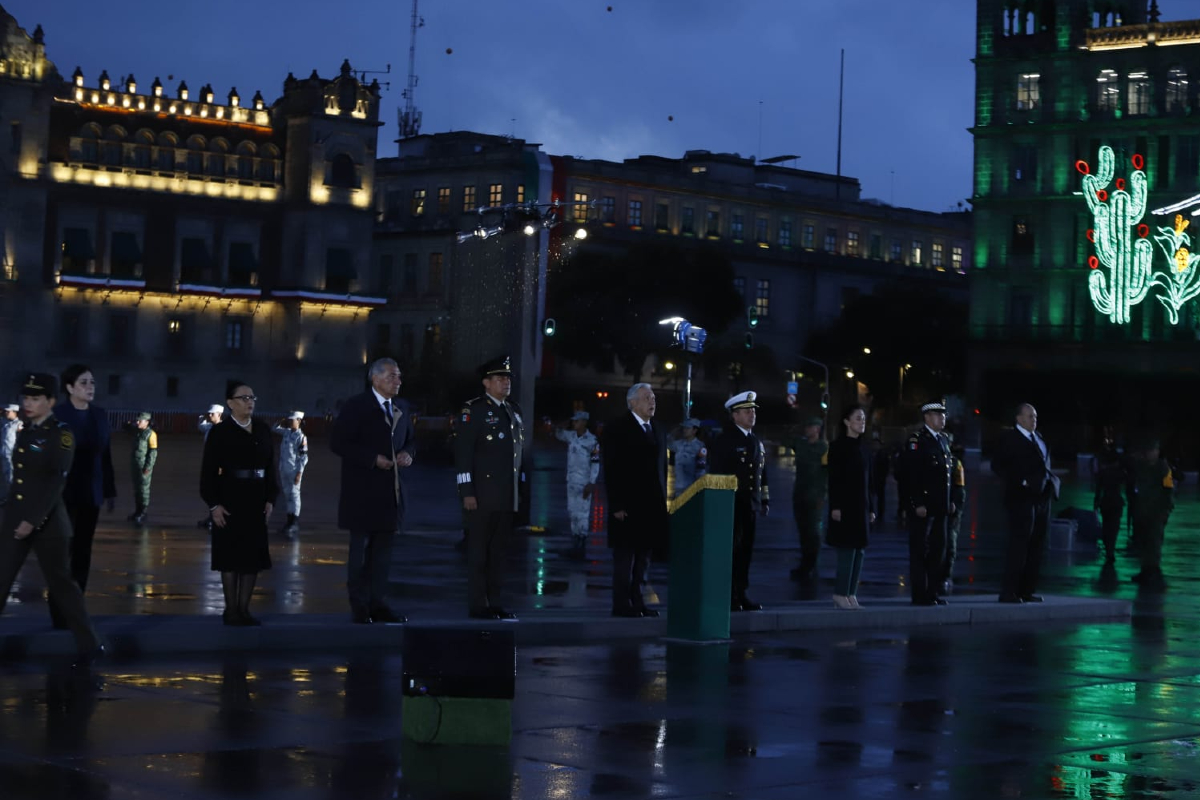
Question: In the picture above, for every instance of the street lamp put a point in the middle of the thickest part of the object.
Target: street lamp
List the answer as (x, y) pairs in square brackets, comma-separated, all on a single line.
[(866, 351)]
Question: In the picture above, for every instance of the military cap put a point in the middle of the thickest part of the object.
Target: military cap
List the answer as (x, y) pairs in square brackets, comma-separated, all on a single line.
[(934, 405), (580, 415), (36, 383), (743, 400), (12, 407), (144, 416), (215, 408), (296, 415), (690, 423), (502, 365)]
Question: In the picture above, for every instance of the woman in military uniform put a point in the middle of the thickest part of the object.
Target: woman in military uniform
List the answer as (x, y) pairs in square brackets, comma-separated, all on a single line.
[(239, 483)]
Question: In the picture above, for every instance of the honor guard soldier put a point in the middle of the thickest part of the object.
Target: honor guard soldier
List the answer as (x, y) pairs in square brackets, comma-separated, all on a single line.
[(145, 454), (8, 442), (489, 451), (293, 458), (738, 451), (583, 468), (927, 465), (808, 494), (691, 456), (35, 518)]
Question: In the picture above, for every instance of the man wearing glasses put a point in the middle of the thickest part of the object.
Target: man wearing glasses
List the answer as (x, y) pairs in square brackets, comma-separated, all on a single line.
[(374, 437)]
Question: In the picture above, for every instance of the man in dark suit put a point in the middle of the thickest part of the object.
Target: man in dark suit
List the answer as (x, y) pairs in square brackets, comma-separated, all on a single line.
[(374, 436), (738, 451), (1023, 461), (489, 456), (925, 467), (634, 452)]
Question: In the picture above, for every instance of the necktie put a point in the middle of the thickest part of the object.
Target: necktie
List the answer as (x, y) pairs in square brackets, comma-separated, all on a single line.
[(646, 428), (387, 411)]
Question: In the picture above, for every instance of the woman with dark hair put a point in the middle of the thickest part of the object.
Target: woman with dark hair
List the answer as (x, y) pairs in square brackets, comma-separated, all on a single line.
[(91, 480), (850, 505), (239, 483)]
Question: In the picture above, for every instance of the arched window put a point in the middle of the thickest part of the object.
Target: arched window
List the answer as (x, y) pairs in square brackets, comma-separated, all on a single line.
[(216, 158), (342, 172), (1139, 93), (165, 160), (142, 151), (114, 139), (246, 152), (89, 142), (195, 156), (1108, 90), (267, 164), (1177, 90)]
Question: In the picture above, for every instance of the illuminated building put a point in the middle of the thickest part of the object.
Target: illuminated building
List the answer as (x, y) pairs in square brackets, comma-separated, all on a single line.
[(802, 243), (171, 238), (1082, 285)]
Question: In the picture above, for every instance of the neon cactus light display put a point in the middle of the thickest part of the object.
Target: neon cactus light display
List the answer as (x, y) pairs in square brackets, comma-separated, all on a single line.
[(1119, 236), (1181, 281)]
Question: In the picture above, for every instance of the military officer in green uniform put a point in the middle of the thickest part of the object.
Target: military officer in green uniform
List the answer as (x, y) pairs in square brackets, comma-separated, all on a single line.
[(1154, 488), (145, 453), (489, 453), (34, 516), (808, 494), (738, 451)]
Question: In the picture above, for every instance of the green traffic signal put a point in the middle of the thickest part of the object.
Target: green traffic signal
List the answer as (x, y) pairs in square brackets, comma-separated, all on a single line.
[(549, 326), (749, 340), (752, 316)]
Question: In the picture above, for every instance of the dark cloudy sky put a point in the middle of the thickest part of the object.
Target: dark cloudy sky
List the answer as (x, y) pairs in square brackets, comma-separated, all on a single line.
[(587, 81)]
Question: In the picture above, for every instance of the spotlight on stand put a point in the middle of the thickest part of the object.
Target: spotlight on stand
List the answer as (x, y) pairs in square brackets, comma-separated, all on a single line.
[(686, 335), (581, 234), (529, 229)]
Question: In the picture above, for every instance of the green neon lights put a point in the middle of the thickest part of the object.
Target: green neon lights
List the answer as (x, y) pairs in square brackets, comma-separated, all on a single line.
[(1181, 281), (1119, 237)]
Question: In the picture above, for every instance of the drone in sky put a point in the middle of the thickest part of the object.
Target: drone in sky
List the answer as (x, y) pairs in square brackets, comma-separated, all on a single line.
[(528, 218)]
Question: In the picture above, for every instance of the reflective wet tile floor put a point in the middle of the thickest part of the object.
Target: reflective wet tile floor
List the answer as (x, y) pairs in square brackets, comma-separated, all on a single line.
[(1105, 710)]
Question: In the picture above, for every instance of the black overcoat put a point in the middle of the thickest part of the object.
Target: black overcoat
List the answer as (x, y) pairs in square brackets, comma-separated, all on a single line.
[(238, 472), (635, 478), (850, 468), (371, 499)]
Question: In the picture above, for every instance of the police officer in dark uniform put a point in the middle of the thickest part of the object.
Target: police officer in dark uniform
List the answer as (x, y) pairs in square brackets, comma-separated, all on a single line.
[(926, 464), (738, 451), (489, 451), (34, 516)]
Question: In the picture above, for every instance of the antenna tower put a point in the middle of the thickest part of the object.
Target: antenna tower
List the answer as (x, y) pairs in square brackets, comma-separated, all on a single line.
[(410, 117)]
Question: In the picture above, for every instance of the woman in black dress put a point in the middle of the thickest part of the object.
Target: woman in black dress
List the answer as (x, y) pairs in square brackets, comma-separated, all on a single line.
[(239, 484), (850, 512)]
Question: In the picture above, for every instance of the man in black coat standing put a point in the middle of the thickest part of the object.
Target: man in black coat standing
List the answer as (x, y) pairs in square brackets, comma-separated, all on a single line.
[(1023, 461), (925, 466), (634, 451), (373, 434), (738, 451), (489, 457)]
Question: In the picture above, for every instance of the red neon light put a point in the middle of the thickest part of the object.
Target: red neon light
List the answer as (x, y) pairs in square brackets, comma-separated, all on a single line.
[(1138, 161), (1102, 195), (1143, 231), (1120, 184), (1082, 167), (1091, 235), (1093, 262)]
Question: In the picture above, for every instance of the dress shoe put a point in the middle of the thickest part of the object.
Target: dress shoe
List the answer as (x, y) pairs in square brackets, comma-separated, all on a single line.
[(648, 612), (1010, 598), (231, 617), (360, 619), (627, 612), (387, 615), (481, 613), (940, 601), (249, 620), (750, 605), (924, 602), (1031, 598), (735, 605), (501, 613), (88, 660)]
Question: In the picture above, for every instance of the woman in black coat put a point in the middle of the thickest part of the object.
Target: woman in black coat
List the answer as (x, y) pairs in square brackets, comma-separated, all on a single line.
[(850, 505), (239, 483)]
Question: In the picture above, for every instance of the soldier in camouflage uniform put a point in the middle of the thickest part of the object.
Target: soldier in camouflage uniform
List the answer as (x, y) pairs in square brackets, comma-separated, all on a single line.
[(293, 458), (1155, 491), (145, 454), (691, 456), (8, 443), (583, 467)]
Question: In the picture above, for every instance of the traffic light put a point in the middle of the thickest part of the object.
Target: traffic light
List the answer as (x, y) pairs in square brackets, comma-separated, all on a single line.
[(549, 326), (749, 340), (825, 401), (752, 316)]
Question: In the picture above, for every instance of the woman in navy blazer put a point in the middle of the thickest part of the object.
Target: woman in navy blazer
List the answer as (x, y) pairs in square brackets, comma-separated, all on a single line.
[(91, 480), (374, 449)]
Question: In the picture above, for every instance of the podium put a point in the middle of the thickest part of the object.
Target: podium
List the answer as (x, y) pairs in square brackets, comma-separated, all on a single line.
[(701, 560)]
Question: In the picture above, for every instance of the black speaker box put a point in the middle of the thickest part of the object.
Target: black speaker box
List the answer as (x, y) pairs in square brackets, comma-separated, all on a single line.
[(459, 662)]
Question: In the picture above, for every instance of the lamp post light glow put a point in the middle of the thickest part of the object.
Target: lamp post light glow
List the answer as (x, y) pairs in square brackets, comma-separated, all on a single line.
[(866, 351)]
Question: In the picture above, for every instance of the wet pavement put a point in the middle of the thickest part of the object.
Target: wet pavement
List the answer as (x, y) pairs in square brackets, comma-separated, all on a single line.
[(1025, 709)]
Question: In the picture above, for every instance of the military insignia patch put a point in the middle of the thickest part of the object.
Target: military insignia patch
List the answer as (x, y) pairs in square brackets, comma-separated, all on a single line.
[(67, 440), (466, 417)]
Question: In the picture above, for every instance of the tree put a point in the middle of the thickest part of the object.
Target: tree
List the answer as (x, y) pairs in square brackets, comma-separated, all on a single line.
[(901, 324), (607, 304)]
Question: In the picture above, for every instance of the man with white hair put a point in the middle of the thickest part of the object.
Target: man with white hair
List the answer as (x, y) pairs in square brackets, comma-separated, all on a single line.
[(8, 441), (293, 458), (207, 420), (583, 467)]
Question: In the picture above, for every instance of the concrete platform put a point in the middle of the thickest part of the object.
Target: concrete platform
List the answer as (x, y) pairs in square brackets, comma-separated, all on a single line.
[(134, 636)]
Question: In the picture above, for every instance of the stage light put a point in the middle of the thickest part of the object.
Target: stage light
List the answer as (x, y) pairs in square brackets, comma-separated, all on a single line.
[(529, 229), (581, 234)]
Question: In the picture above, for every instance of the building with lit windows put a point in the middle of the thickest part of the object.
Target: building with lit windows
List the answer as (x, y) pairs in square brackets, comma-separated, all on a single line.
[(1086, 293), (171, 237), (802, 243)]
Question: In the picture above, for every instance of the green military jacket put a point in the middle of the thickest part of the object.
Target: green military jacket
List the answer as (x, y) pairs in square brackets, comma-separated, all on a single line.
[(811, 467), (41, 461), (145, 449), (1155, 484)]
